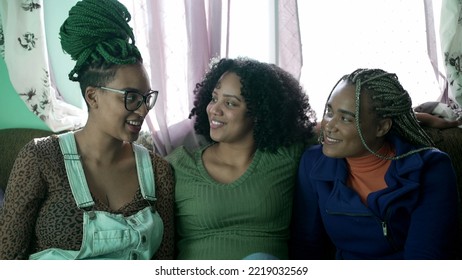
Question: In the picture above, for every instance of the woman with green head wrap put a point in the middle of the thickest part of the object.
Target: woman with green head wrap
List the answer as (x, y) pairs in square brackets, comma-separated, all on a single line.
[(93, 193)]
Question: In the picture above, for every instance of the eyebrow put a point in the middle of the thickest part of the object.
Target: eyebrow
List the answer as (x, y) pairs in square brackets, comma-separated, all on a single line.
[(131, 89), (228, 95), (343, 111)]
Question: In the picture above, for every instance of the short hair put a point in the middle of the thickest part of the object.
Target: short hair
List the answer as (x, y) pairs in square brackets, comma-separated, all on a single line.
[(275, 100)]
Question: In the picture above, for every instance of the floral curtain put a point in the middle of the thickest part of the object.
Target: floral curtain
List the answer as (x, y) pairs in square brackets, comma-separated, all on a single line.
[(24, 49), (451, 45)]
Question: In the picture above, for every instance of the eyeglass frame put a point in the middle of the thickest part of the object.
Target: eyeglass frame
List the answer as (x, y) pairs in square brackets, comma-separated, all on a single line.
[(144, 96)]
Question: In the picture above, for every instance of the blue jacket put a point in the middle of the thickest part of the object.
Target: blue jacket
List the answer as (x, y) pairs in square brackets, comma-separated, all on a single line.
[(415, 217)]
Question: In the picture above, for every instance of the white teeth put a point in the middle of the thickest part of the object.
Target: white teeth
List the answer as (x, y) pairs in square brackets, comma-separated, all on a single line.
[(332, 140), (216, 123), (138, 123)]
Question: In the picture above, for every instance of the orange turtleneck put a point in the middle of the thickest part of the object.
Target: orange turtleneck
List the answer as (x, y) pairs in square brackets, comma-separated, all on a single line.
[(367, 174)]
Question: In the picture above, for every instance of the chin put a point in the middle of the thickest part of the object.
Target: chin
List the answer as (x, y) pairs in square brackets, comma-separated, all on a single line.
[(130, 137), (135, 137), (214, 139), (331, 153)]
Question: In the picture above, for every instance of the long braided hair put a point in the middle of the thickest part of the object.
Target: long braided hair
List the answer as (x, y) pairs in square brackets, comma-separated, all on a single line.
[(389, 100), (97, 36)]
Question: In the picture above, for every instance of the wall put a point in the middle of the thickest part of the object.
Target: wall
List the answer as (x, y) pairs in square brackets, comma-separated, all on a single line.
[(13, 111)]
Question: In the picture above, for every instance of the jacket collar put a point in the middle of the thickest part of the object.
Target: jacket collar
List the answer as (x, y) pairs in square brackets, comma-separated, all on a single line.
[(325, 166)]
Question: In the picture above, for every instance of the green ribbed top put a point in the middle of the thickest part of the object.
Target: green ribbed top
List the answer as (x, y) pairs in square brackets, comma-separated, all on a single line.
[(231, 221)]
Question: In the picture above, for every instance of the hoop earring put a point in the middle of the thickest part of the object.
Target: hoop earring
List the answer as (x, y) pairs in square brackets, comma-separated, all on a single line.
[(321, 136)]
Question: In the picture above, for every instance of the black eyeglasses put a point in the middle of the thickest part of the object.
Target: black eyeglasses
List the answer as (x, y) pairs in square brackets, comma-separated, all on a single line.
[(134, 100)]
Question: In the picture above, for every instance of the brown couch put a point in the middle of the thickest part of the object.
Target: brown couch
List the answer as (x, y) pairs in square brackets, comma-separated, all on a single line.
[(11, 142)]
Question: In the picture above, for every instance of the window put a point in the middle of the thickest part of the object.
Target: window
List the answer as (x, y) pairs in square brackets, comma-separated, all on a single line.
[(340, 36)]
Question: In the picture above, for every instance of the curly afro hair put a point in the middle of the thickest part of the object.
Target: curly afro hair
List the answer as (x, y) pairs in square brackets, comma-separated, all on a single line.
[(275, 100)]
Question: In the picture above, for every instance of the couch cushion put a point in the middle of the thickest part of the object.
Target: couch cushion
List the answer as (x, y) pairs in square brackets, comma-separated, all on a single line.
[(11, 142)]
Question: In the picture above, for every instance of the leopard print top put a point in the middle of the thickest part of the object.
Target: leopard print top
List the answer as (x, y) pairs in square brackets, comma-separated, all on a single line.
[(40, 212)]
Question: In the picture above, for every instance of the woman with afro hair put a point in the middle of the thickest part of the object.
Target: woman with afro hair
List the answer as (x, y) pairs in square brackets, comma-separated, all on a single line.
[(234, 195)]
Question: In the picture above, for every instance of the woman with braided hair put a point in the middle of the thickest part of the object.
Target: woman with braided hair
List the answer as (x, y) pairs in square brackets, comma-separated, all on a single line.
[(94, 193), (375, 187)]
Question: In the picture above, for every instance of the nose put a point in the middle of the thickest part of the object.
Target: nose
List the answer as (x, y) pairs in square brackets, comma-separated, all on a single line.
[(142, 110), (328, 123), (215, 108)]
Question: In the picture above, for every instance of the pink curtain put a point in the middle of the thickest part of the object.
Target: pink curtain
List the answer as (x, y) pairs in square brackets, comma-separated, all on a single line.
[(180, 39), (288, 40)]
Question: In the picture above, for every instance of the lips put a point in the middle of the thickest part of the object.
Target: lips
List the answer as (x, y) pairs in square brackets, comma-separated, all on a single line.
[(135, 123), (216, 124), (328, 140)]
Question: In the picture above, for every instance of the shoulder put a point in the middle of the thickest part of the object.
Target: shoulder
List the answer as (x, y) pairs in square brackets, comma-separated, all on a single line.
[(314, 151), (433, 156), (313, 155), (158, 162), (426, 155), (428, 162), (163, 172), (183, 154), (293, 151), (39, 147)]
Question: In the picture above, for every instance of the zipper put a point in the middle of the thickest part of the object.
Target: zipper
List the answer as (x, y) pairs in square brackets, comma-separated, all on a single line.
[(386, 232), (383, 224), (384, 228)]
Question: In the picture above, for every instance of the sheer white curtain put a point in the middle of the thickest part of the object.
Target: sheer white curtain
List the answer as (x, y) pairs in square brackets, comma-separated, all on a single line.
[(339, 36), (317, 41)]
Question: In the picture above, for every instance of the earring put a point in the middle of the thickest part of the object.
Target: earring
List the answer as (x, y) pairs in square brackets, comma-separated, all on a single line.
[(321, 136)]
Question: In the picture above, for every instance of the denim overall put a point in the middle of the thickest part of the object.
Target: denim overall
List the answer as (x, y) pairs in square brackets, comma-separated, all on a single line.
[(106, 235)]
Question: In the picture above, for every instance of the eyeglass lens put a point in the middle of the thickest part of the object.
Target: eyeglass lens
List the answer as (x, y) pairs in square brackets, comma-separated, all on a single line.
[(134, 100)]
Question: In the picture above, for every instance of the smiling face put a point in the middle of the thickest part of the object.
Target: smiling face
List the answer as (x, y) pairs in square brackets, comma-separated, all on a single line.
[(110, 114), (341, 137), (227, 112)]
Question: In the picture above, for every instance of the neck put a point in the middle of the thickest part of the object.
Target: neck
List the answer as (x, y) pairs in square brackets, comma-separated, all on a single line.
[(233, 154), (97, 146), (370, 161)]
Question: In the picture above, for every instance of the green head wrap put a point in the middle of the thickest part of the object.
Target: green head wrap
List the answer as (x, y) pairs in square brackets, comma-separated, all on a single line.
[(97, 32)]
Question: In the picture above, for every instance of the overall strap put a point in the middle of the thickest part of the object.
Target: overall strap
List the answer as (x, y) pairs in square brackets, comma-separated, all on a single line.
[(145, 172), (74, 170)]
